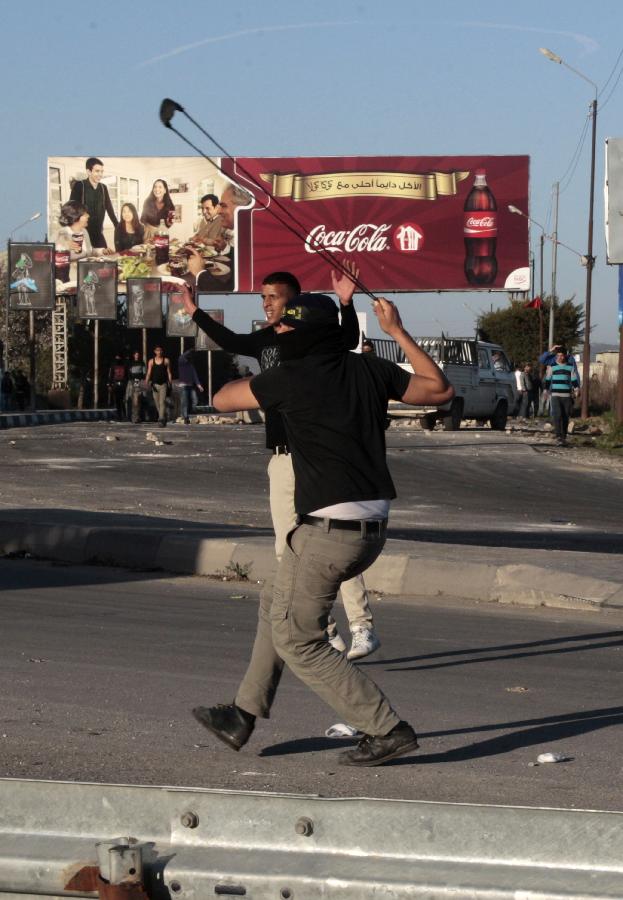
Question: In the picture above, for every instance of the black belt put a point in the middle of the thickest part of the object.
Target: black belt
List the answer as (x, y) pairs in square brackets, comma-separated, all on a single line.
[(281, 450), (367, 527)]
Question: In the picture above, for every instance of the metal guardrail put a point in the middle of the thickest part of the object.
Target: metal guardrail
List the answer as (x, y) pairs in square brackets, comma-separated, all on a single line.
[(183, 843)]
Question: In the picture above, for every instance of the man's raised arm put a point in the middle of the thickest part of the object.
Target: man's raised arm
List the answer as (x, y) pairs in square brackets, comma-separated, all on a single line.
[(428, 384)]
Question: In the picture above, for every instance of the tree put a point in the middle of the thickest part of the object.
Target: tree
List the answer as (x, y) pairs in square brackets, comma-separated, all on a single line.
[(516, 328)]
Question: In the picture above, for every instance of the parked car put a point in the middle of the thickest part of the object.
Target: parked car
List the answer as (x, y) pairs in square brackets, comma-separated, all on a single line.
[(480, 373)]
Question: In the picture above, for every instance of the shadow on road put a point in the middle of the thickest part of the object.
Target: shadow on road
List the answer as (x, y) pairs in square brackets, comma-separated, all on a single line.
[(527, 733), (580, 541), (531, 732), (573, 644)]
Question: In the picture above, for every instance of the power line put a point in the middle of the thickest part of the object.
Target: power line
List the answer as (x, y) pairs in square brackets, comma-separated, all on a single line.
[(611, 73), (613, 88), (573, 163)]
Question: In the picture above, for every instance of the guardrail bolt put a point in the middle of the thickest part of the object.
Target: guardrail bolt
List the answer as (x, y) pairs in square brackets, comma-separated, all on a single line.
[(304, 826), (190, 820)]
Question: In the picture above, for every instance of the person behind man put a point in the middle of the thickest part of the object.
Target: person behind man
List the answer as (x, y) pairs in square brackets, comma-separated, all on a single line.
[(211, 229), (160, 378), (367, 346), (334, 405), (527, 405), (94, 195), (134, 390), (562, 383), (278, 289), (117, 384), (231, 199), (189, 384)]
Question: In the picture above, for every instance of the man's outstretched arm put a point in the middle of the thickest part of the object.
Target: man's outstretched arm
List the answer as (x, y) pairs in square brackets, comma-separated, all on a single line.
[(226, 339), (234, 396)]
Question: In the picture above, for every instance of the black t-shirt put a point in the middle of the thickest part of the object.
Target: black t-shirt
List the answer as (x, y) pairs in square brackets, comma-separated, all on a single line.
[(334, 410), (262, 346)]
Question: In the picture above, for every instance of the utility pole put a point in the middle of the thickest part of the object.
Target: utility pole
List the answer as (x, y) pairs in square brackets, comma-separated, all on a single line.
[(590, 262)]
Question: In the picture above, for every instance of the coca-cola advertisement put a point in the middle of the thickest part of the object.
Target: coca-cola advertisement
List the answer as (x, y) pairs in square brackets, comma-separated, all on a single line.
[(179, 323), (31, 271), (202, 341), (144, 303), (97, 289), (411, 223)]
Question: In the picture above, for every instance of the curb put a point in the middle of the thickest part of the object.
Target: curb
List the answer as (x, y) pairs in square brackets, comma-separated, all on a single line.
[(55, 417), (395, 574)]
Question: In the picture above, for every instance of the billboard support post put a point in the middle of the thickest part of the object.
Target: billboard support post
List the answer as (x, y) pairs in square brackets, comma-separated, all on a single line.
[(7, 300), (96, 364), (32, 360), (210, 377), (145, 346)]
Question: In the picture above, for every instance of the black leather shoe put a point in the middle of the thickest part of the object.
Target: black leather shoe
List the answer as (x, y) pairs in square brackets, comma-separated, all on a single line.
[(227, 722), (374, 750)]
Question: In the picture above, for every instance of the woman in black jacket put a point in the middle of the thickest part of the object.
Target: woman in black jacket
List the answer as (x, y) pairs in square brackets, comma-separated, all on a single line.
[(129, 232)]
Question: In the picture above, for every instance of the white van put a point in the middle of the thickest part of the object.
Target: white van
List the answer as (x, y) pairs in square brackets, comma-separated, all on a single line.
[(480, 373)]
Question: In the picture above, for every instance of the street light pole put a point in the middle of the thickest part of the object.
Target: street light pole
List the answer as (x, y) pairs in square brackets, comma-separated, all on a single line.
[(590, 260), (552, 301)]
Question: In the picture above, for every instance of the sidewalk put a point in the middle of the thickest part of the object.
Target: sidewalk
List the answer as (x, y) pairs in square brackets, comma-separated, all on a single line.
[(406, 569), (54, 417)]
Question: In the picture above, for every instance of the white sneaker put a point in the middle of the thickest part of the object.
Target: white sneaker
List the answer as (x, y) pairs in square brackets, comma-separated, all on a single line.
[(365, 642), (337, 643)]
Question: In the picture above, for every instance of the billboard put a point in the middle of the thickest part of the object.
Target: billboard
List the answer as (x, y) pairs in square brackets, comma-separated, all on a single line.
[(410, 223), (614, 201)]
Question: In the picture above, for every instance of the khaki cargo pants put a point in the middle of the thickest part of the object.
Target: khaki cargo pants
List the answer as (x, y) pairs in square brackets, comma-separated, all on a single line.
[(283, 514), (292, 629)]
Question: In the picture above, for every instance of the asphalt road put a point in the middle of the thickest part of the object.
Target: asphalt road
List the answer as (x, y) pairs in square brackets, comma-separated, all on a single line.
[(468, 487), (100, 668)]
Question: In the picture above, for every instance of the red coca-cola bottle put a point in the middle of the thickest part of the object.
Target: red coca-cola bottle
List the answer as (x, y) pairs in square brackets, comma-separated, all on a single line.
[(161, 243), (480, 229)]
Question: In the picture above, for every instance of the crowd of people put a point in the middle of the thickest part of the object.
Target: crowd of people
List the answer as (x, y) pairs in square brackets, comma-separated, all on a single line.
[(82, 217), (551, 394), (142, 391)]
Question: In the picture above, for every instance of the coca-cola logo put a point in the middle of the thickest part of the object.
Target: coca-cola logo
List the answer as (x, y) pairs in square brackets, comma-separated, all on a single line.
[(480, 221), (408, 238), (366, 237), (480, 224)]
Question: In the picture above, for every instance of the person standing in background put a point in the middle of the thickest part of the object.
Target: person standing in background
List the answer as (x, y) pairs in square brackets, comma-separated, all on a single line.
[(94, 195), (160, 378), (134, 390), (188, 382)]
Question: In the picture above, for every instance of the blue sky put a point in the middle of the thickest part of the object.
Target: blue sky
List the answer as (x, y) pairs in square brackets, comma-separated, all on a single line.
[(326, 78)]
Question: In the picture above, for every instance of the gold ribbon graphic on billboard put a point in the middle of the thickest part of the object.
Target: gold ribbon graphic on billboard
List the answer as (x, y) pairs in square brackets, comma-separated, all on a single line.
[(330, 185)]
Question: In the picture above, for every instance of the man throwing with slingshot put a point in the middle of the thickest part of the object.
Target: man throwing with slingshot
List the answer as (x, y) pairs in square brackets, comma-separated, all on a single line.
[(334, 405)]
